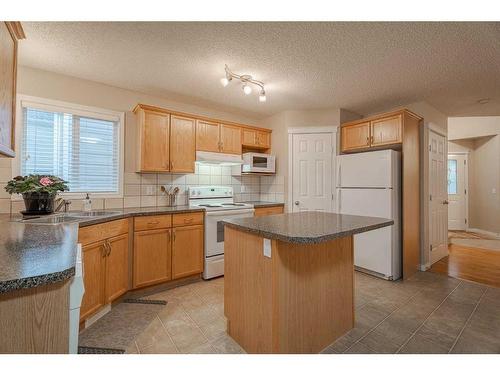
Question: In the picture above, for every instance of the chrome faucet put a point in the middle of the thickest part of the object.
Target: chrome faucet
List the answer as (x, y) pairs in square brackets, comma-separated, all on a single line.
[(62, 202)]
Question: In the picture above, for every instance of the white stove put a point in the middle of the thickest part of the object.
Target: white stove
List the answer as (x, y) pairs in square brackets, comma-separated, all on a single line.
[(218, 202)]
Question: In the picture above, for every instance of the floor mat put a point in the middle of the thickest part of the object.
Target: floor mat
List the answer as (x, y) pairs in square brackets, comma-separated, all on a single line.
[(118, 329)]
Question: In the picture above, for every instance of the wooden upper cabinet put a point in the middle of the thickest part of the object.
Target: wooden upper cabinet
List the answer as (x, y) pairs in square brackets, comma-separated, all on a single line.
[(385, 131), (249, 137), (355, 136), (182, 144), (207, 136), (10, 33), (253, 138), (263, 139), (154, 142), (116, 267), (230, 138)]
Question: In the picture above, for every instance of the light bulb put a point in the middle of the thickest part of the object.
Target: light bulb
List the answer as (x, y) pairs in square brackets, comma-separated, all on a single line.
[(247, 89), (224, 81), (262, 96)]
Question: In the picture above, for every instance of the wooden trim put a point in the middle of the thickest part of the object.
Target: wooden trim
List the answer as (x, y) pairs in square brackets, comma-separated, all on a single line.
[(197, 117), (383, 115), (16, 29)]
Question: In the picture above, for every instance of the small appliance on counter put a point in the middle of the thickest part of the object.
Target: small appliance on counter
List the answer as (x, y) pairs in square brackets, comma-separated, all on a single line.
[(254, 162)]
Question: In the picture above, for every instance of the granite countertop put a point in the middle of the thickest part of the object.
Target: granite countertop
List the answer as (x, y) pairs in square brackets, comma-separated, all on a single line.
[(307, 227), (259, 204), (33, 255), (36, 254)]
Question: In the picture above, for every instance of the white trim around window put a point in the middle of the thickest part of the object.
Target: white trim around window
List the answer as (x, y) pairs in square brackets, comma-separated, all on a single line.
[(75, 109)]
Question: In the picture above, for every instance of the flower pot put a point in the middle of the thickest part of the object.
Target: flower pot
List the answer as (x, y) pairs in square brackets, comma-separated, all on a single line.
[(39, 203)]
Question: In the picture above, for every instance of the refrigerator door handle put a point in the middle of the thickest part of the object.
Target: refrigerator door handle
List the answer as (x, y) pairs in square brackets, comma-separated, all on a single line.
[(339, 202), (339, 169)]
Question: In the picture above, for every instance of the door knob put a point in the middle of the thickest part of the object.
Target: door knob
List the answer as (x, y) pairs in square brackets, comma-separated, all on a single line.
[(445, 202), (296, 203)]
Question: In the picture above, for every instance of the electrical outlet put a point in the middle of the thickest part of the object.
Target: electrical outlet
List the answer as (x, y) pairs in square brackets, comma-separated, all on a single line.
[(243, 188), (150, 190)]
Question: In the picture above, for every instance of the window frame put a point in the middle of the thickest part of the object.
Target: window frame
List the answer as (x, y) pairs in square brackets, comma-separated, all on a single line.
[(78, 109)]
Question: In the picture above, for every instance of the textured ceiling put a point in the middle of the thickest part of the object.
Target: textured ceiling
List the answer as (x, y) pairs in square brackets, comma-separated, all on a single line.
[(362, 67)]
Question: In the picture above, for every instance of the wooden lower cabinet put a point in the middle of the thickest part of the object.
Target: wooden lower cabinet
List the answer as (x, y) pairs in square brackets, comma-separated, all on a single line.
[(152, 257), (265, 211), (93, 263), (187, 251), (116, 268)]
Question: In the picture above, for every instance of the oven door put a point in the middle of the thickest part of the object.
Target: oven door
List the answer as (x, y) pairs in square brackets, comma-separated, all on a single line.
[(214, 229)]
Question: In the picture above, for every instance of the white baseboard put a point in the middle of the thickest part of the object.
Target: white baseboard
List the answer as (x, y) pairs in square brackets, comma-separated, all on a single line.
[(485, 232), (424, 267)]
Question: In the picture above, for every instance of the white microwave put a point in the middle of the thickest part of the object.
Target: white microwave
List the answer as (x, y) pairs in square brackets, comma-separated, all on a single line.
[(258, 163)]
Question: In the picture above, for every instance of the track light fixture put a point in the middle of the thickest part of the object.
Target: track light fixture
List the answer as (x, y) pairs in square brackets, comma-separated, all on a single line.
[(246, 81)]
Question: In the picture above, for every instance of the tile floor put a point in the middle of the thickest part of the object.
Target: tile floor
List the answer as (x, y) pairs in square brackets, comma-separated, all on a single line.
[(430, 313)]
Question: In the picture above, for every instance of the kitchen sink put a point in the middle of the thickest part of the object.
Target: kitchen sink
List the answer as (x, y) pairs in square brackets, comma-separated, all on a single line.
[(51, 220), (80, 214)]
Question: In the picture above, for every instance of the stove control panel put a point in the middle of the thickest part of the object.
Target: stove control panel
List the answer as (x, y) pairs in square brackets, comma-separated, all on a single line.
[(210, 191)]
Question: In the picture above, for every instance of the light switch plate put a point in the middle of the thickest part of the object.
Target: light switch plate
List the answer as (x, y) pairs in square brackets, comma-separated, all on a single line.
[(267, 247)]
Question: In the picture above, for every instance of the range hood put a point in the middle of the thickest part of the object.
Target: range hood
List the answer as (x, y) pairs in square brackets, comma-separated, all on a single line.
[(204, 157)]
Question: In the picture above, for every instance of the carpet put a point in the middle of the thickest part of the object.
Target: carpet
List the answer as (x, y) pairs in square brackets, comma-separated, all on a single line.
[(115, 331)]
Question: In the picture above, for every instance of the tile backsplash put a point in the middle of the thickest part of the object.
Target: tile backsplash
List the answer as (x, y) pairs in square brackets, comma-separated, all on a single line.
[(144, 189)]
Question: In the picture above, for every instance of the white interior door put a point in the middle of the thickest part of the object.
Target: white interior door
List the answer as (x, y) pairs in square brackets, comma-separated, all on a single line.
[(438, 220), (312, 158), (457, 198)]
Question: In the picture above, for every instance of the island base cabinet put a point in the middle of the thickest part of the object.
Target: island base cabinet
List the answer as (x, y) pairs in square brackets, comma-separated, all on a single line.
[(152, 257), (297, 300), (187, 251)]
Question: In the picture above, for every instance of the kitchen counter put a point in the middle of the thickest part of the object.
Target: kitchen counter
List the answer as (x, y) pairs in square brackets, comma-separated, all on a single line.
[(289, 279), (33, 255), (307, 227), (262, 204)]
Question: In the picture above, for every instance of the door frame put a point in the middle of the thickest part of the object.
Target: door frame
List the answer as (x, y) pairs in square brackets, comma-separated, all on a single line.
[(466, 184), (332, 130)]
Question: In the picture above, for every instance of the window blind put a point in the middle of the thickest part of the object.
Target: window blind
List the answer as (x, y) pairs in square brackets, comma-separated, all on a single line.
[(81, 150)]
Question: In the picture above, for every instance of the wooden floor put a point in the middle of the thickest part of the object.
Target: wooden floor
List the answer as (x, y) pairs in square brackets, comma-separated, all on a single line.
[(472, 264)]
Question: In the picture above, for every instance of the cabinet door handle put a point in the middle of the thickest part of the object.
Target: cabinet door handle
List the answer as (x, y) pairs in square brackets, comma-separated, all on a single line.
[(104, 250), (186, 220), (367, 141), (151, 223), (171, 165), (173, 234), (372, 139), (108, 245)]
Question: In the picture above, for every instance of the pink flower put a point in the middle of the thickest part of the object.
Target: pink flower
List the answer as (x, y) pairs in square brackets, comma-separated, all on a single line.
[(45, 181)]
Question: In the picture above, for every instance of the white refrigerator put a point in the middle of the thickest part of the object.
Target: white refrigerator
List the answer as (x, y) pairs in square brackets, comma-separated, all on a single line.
[(369, 184)]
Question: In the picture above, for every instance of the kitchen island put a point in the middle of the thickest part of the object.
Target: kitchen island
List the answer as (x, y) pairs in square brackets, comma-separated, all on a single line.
[(289, 279)]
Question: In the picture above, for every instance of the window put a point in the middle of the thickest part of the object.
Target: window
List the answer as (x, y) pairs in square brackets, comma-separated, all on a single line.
[(82, 146), (452, 176)]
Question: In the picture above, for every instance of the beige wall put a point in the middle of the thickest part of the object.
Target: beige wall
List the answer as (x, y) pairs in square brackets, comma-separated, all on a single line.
[(480, 138), (137, 188), (280, 123)]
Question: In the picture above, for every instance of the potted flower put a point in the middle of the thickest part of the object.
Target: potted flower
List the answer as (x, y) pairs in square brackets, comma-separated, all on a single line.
[(38, 191)]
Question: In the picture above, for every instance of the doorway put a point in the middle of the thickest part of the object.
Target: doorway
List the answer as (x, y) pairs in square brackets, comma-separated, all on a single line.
[(311, 156), (458, 192)]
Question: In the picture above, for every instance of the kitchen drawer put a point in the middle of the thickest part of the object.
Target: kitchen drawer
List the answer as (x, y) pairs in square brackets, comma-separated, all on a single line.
[(194, 218), (99, 232), (264, 211), (152, 222)]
